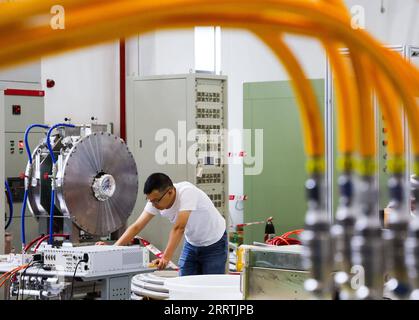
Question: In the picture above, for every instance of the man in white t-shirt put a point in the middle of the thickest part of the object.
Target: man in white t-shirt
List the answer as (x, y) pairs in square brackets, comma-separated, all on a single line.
[(192, 214)]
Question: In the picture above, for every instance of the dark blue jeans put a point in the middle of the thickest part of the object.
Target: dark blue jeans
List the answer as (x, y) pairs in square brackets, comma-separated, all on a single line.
[(204, 260)]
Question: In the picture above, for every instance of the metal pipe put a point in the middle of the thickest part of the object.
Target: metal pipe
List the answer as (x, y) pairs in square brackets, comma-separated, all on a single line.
[(342, 233), (367, 244), (395, 237), (317, 241)]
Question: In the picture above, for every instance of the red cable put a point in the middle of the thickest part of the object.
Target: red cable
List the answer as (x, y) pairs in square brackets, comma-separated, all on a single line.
[(285, 239), (46, 237), (30, 244), (287, 234)]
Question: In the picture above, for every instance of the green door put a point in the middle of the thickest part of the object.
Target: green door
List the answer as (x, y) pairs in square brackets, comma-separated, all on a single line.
[(278, 189)]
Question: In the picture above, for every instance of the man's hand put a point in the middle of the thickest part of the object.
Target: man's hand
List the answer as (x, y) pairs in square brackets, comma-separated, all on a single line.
[(161, 263), (100, 243)]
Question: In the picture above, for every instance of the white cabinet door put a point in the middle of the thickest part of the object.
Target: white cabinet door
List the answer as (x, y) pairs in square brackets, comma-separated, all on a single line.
[(159, 109)]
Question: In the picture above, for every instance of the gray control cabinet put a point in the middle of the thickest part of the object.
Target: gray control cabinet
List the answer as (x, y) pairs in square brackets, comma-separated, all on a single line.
[(168, 122), (20, 108)]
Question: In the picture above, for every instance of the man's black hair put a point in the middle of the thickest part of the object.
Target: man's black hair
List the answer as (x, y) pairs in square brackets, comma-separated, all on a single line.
[(157, 181)]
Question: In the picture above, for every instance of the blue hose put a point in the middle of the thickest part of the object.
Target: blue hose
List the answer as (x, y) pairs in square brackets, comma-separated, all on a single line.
[(10, 200), (49, 136), (25, 197), (54, 161), (28, 150)]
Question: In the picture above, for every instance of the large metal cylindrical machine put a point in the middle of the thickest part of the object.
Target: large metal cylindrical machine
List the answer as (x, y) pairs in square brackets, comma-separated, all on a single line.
[(95, 180)]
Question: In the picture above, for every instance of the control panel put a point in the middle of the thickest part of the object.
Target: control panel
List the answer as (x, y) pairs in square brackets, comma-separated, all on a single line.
[(95, 260)]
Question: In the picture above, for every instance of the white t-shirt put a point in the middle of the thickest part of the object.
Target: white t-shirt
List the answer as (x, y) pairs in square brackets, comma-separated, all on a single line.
[(205, 225)]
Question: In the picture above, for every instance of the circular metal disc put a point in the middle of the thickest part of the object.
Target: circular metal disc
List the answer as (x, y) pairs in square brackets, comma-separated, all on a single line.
[(96, 154)]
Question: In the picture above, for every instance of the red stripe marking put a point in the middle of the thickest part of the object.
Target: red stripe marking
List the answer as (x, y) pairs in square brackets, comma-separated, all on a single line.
[(21, 92)]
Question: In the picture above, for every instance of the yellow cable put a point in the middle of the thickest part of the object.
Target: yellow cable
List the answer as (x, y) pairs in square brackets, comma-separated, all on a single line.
[(366, 128), (361, 42), (365, 124), (391, 111), (390, 106), (286, 4), (309, 107), (186, 2), (346, 98), (315, 143)]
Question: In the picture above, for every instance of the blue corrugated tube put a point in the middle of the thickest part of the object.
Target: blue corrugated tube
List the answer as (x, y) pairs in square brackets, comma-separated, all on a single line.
[(25, 196), (54, 161)]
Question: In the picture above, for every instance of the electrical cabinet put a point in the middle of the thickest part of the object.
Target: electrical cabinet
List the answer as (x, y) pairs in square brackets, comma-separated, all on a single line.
[(175, 125), (20, 108)]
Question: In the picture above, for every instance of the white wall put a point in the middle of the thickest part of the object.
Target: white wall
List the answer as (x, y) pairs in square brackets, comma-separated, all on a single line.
[(86, 85), (27, 73), (27, 76), (161, 53), (399, 24)]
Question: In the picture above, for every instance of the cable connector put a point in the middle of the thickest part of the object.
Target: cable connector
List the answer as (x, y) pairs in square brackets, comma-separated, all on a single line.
[(38, 257)]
